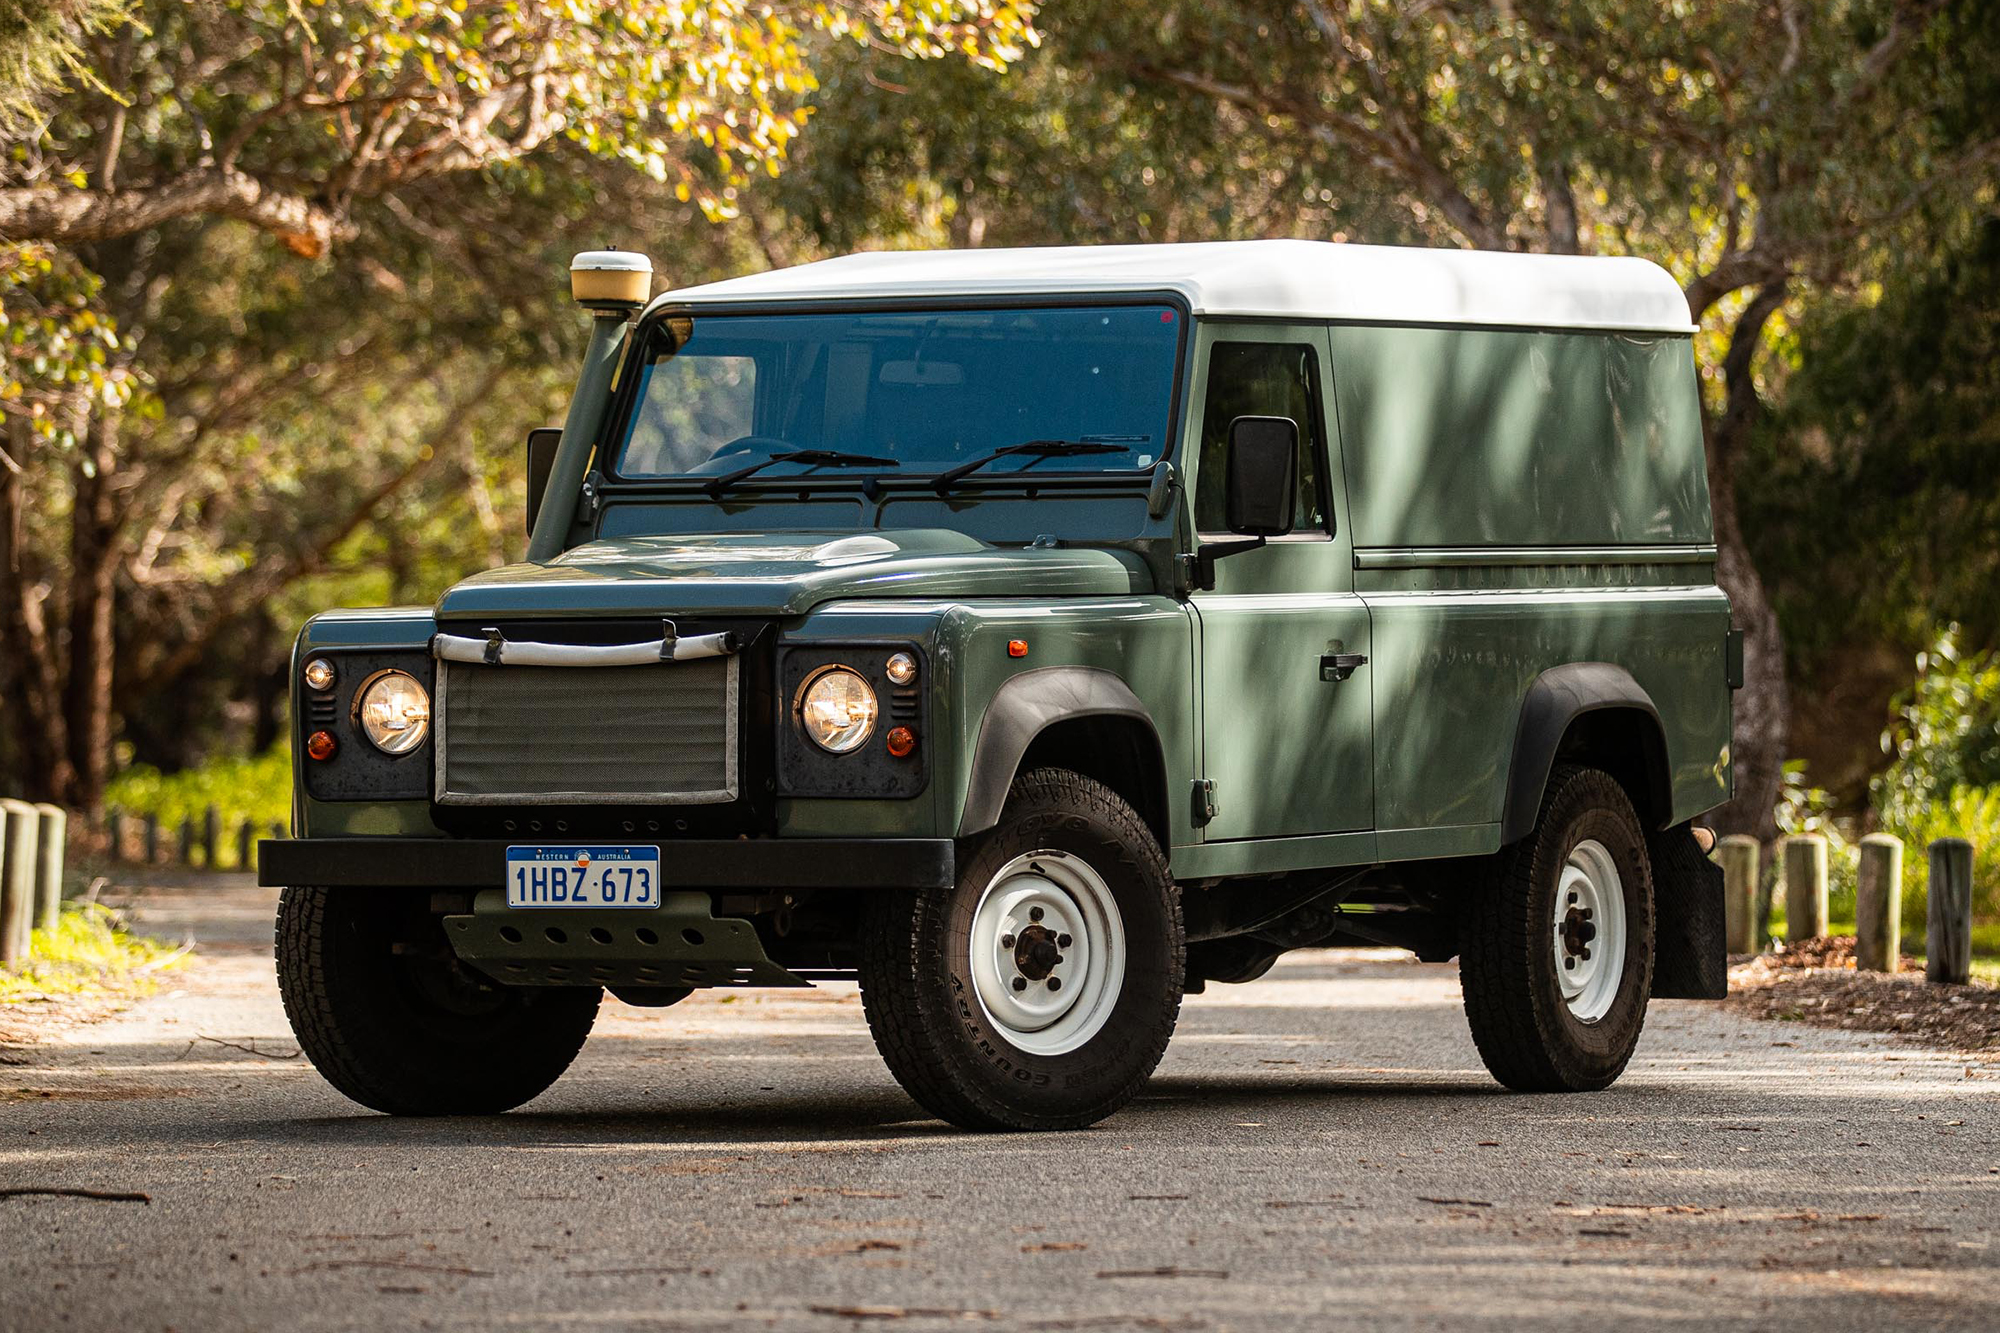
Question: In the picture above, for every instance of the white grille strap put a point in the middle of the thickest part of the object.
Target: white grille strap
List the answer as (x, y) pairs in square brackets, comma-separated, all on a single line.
[(494, 650)]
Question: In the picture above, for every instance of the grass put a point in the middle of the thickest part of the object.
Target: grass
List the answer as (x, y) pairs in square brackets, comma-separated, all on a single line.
[(1985, 941), (88, 951)]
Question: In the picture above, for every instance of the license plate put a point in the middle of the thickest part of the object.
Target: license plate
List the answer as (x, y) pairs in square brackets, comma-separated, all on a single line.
[(583, 877)]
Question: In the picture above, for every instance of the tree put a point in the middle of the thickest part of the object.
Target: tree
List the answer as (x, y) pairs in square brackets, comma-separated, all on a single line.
[(151, 471), (1763, 153)]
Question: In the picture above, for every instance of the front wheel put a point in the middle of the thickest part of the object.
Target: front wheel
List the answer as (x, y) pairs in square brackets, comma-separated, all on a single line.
[(391, 1018), (1556, 947), (1039, 991)]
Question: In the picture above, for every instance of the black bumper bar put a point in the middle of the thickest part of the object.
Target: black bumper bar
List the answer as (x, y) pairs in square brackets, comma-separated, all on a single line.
[(775, 864)]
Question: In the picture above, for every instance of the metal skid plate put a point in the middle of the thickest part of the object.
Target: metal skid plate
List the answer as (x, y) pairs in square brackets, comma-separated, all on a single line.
[(679, 943)]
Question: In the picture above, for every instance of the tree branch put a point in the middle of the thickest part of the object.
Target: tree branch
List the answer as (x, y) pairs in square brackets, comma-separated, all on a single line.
[(73, 217)]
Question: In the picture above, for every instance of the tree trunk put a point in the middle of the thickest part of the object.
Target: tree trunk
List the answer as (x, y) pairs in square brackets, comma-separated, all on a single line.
[(33, 695), (94, 550), (1763, 705)]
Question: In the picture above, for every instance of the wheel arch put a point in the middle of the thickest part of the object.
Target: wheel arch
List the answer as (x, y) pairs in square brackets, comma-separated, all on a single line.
[(1081, 718), (1593, 713)]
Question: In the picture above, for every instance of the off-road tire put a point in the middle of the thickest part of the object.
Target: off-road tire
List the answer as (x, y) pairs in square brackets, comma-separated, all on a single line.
[(918, 993), (415, 1032), (1526, 1035)]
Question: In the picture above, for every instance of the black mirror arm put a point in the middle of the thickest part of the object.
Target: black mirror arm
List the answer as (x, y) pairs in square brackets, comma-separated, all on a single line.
[(1202, 562)]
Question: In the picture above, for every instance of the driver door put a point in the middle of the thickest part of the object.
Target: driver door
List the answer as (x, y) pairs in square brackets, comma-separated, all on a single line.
[(1287, 729)]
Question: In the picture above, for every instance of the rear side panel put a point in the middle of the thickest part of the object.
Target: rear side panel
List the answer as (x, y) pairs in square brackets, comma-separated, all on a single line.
[(1523, 500)]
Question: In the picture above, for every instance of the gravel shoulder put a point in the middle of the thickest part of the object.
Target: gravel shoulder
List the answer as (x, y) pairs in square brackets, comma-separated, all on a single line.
[(1318, 1146)]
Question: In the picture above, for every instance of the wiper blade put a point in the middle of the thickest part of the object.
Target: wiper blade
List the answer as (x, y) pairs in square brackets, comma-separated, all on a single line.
[(1039, 449), (816, 457)]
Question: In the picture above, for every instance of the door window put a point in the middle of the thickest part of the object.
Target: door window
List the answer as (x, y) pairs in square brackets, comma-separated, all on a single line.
[(1260, 380)]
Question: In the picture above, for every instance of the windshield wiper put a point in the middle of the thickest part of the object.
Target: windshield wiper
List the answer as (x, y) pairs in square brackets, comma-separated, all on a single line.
[(816, 457), (1039, 449)]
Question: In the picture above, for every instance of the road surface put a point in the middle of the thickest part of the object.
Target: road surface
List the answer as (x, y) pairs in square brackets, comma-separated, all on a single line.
[(1319, 1149)]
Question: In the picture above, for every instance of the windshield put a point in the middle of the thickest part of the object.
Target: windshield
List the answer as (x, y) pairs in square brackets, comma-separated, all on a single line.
[(916, 393)]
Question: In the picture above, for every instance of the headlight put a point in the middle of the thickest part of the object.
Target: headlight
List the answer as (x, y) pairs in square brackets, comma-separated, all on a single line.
[(395, 713), (838, 710)]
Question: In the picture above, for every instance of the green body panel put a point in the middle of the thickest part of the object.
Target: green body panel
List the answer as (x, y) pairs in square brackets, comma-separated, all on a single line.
[(1478, 437), (1498, 503), (1452, 667)]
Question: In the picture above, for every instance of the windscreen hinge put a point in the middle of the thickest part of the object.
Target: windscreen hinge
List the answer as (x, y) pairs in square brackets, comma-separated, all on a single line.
[(1205, 808)]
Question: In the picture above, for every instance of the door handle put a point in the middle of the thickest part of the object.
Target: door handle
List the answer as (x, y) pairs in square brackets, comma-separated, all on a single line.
[(1339, 666)]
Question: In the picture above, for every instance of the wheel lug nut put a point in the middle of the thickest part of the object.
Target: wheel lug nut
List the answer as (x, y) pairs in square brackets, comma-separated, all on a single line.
[(1055, 983), (1020, 983), (1062, 941), (1006, 941), (1568, 965), (1058, 961), (1034, 914)]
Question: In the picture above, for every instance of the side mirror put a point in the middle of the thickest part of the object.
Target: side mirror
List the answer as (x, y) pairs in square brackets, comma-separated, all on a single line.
[(542, 444), (1263, 475)]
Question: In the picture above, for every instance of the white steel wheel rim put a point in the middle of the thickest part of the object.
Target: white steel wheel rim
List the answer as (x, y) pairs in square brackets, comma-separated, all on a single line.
[(1035, 903), (1589, 932)]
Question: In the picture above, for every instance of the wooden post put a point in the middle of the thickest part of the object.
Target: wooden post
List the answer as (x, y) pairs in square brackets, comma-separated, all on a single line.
[(1950, 908), (246, 845), (1805, 887), (1738, 854), (184, 844), (1878, 905), (152, 832), (5, 829), (52, 842), (17, 880), (211, 836), (114, 832)]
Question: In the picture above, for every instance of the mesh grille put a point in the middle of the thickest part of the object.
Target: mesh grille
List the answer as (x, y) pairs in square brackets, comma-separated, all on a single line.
[(588, 735)]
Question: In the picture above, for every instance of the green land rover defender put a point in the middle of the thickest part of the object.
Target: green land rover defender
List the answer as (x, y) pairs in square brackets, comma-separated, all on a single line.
[(1035, 637)]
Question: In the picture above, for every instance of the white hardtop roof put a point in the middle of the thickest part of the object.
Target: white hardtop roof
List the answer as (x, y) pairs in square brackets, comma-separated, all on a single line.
[(1284, 279)]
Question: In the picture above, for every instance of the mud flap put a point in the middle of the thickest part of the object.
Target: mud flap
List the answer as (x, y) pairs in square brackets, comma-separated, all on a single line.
[(1689, 962)]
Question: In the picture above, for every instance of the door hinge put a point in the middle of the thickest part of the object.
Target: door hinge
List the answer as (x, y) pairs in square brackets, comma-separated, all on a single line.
[(1205, 808)]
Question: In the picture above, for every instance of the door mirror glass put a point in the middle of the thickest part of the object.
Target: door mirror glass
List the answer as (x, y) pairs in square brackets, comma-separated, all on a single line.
[(542, 444), (1262, 475)]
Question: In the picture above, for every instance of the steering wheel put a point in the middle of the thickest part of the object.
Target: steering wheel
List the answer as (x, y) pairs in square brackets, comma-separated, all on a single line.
[(743, 444)]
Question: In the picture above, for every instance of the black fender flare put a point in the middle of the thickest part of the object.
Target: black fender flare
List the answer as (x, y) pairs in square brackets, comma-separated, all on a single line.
[(1027, 705), (1557, 698)]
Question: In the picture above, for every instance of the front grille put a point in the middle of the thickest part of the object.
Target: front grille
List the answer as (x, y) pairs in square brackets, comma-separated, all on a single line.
[(588, 735)]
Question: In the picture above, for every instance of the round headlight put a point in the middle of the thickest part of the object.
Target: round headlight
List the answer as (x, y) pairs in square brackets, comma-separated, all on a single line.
[(838, 710), (395, 713)]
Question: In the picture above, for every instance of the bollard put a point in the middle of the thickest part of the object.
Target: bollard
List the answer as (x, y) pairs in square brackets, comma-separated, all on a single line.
[(17, 880), (1949, 946), (114, 833), (211, 836), (184, 841), (1738, 854), (52, 841), (279, 830), (152, 847), (1878, 905), (246, 845), (1805, 887)]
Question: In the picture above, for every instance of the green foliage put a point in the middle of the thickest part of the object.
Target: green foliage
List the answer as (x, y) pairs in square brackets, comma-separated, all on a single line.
[(259, 788), (56, 343), (1947, 735), (42, 50), (90, 949)]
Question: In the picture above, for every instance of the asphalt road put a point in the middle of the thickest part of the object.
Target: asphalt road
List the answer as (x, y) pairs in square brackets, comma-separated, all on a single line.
[(1320, 1149)]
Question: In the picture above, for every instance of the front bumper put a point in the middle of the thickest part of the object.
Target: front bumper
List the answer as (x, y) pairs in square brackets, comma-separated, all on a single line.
[(761, 864)]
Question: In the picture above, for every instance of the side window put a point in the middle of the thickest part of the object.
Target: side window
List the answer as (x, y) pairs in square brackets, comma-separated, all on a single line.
[(1260, 380)]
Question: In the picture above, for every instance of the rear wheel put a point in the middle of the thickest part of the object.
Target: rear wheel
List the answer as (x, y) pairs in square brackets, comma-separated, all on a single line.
[(1039, 991), (391, 1018), (1556, 952)]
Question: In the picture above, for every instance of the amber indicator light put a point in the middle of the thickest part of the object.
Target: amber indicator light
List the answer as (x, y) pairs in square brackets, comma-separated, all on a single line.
[(900, 741), (320, 745), (1017, 647)]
